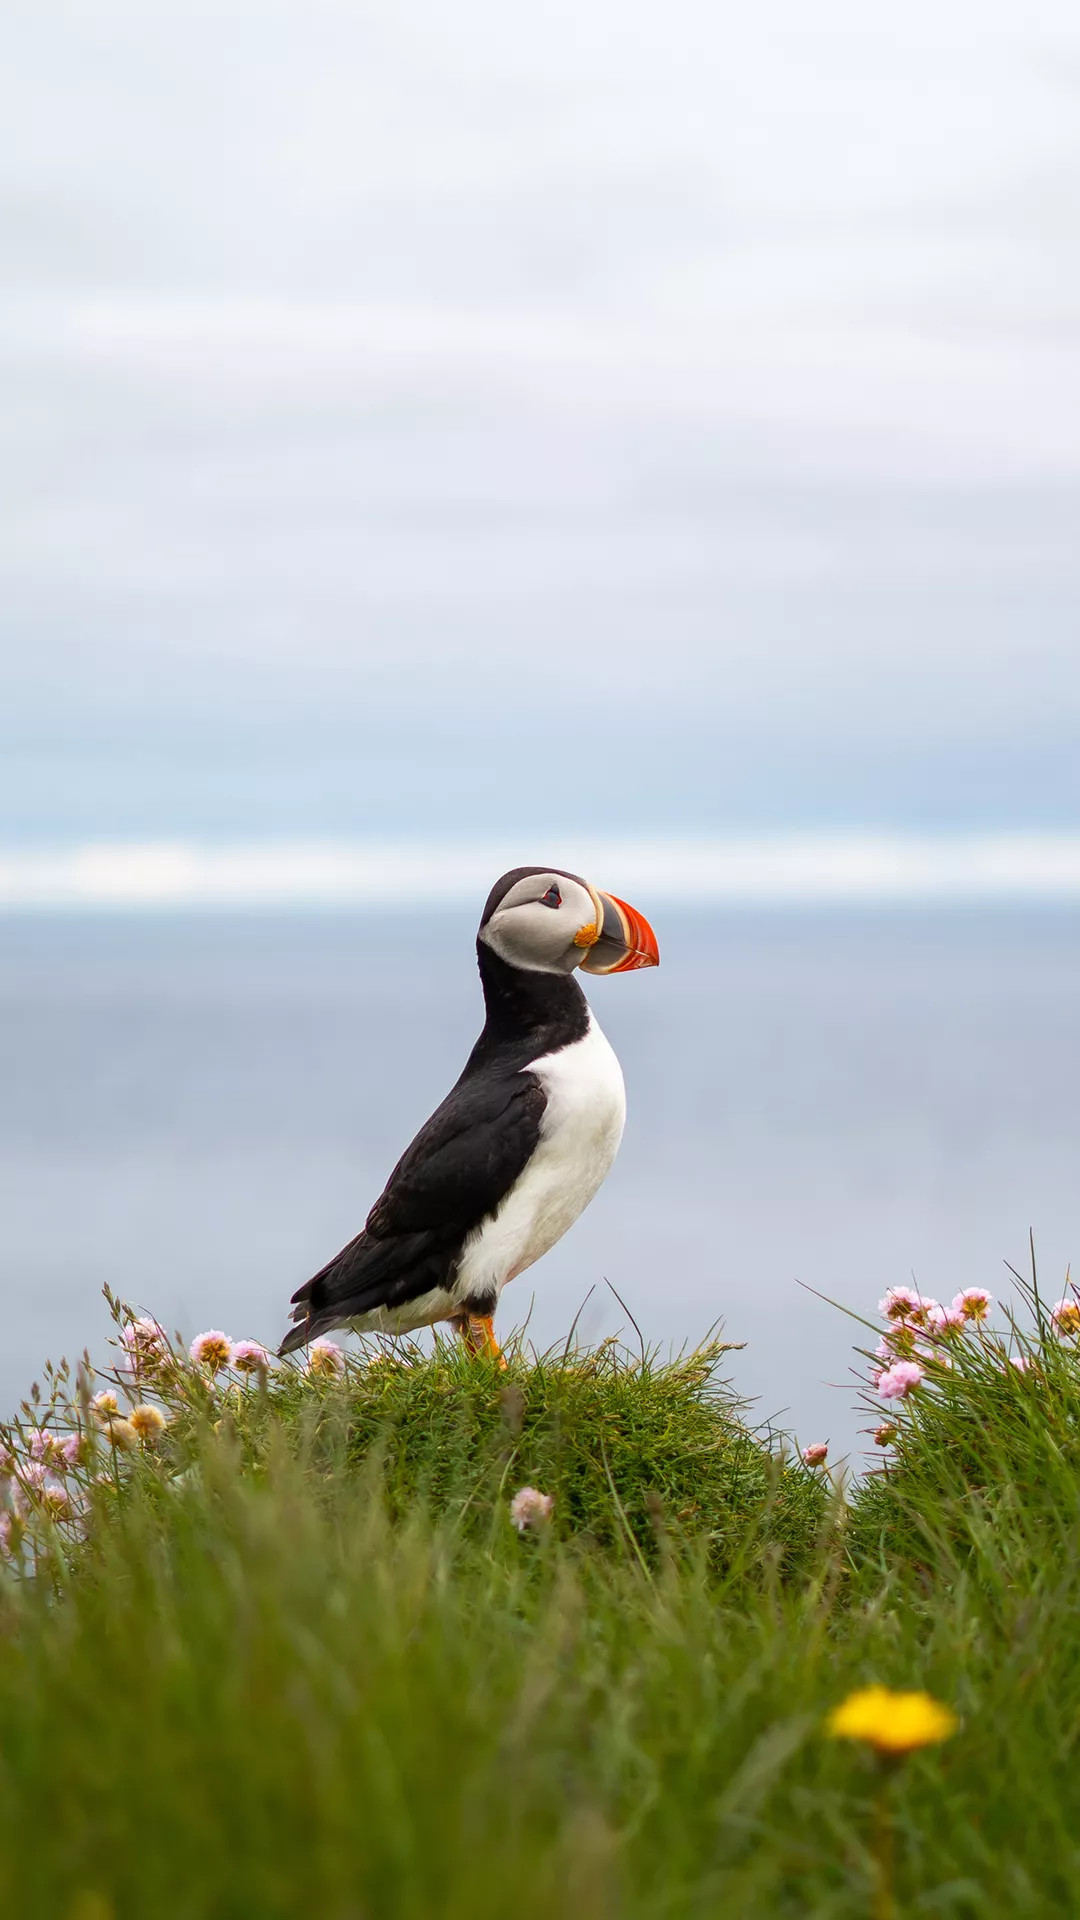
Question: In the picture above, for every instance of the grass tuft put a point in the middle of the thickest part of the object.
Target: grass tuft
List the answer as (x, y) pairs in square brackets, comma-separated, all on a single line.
[(641, 1456)]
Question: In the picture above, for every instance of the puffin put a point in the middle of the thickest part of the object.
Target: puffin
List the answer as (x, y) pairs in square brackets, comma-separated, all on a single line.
[(521, 1142)]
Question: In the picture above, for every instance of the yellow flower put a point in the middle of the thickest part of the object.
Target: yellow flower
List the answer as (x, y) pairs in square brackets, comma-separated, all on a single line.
[(891, 1722), (148, 1422)]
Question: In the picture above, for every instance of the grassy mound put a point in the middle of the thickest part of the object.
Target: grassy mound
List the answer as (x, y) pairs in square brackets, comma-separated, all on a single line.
[(638, 1455)]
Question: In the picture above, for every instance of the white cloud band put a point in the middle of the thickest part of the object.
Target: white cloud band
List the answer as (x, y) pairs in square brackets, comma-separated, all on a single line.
[(780, 870)]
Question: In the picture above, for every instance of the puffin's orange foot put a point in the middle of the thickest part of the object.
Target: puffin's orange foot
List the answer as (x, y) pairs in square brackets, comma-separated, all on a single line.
[(478, 1333)]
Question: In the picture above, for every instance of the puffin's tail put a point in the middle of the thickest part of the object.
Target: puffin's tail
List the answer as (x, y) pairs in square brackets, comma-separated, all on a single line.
[(310, 1323), (312, 1318), (296, 1337), (370, 1272)]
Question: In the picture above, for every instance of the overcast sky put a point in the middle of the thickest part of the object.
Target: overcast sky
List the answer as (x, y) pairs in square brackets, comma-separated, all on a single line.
[(601, 415)]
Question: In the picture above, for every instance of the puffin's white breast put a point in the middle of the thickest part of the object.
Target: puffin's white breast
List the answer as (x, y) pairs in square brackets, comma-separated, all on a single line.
[(579, 1138)]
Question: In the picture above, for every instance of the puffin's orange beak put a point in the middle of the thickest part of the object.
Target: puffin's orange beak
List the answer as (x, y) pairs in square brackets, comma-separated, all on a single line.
[(625, 939)]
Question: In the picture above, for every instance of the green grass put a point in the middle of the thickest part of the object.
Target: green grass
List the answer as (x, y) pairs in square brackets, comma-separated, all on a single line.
[(302, 1663), (641, 1457)]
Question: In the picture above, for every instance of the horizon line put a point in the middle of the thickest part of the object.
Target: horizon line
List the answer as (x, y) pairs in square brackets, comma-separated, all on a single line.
[(737, 870)]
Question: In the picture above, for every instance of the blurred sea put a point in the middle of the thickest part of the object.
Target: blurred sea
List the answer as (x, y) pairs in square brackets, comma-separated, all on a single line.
[(200, 1110)]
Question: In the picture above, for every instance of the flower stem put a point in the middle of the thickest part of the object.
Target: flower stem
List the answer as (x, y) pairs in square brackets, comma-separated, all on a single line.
[(884, 1850)]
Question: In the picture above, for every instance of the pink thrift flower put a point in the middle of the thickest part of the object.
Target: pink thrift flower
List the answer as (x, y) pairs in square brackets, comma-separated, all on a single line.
[(146, 1341), (973, 1303), (1065, 1315), (945, 1321), (904, 1303), (9, 1535), (73, 1449), (898, 1344), (325, 1357), (530, 1508), (1021, 1361), (28, 1487), (56, 1502), (885, 1435), (899, 1302), (816, 1455), (211, 1350), (898, 1380), (249, 1357), (46, 1446)]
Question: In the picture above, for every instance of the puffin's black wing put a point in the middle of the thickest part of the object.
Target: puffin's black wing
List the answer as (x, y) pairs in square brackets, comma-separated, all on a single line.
[(461, 1164)]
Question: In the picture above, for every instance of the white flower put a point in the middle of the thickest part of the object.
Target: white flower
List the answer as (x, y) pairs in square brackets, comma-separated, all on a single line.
[(530, 1508)]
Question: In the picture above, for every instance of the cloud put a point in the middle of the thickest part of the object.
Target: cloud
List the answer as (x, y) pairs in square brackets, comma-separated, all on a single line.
[(774, 871), (390, 388)]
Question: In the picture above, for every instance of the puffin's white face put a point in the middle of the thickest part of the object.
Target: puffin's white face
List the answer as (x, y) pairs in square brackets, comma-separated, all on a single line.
[(545, 921)]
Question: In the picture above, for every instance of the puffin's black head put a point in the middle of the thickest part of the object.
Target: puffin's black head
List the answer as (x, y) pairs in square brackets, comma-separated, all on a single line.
[(546, 921)]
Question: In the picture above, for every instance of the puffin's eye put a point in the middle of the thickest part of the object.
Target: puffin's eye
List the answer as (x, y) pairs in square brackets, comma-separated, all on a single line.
[(552, 898)]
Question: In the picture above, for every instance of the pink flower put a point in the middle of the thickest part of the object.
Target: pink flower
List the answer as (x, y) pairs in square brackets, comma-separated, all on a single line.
[(249, 1357), (885, 1435), (1065, 1315), (898, 1343), (146, 1341), (46, 1446), (56, 1502), (10, 1532), (898, 1380), (31, 1480), (531, 1509), (211, 1350), (816, 1455), (73, 1449), (325, 1357), (1021, 1361), (946, 1321), (904, 1303), (973, 1304)]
